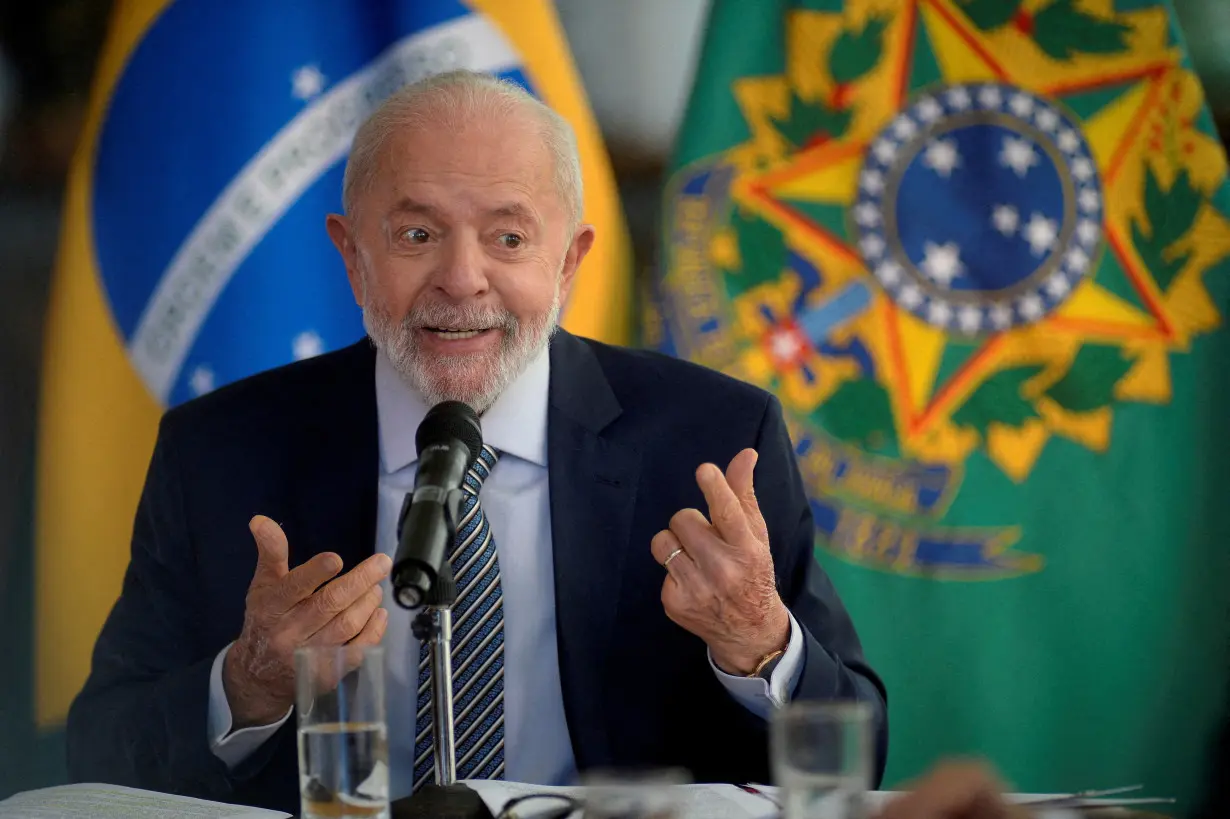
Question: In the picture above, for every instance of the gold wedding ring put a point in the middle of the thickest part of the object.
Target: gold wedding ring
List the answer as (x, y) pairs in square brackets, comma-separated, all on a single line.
[(666, 563)]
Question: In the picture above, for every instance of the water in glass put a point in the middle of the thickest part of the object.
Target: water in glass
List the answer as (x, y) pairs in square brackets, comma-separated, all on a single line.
[(343, 770)]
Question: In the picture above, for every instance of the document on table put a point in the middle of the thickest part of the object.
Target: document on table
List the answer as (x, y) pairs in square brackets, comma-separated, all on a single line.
[(730, 802), (695, 801), (114, 802)]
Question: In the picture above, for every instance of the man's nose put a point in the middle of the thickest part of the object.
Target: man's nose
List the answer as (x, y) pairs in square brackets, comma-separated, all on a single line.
[(461, 272)]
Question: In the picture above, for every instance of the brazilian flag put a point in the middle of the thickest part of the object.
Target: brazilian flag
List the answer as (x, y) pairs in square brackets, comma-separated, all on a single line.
[(193, 254), (980, 249)]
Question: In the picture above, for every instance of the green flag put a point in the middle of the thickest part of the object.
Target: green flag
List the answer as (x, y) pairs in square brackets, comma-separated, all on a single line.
[(979, 249)]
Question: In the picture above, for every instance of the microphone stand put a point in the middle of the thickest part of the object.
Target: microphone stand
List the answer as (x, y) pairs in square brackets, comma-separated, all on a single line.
[(433, 626)]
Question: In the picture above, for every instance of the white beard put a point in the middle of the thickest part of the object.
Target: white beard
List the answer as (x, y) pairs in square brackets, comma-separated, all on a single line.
[(477, 379)]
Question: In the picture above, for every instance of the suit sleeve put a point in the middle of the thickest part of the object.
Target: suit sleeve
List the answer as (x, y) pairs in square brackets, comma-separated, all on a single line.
[(141, 719), (833, 663)]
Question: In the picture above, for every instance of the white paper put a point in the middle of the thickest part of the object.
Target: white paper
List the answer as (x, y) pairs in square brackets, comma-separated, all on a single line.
[(113, 802), (877, 800), (729, 802), (695, 802)]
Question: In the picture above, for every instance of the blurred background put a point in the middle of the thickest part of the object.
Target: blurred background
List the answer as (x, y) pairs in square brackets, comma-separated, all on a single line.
[(636, 60)]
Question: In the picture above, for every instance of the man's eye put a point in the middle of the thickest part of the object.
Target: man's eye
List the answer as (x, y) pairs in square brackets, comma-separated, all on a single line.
[(510, 240), (415, 236)]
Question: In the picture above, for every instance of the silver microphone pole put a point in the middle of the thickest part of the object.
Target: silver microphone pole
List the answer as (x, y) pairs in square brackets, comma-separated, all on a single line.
[(442, 696), (433, 626)]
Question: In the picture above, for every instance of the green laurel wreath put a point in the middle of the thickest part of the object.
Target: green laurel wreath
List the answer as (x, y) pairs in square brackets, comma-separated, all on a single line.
[(1171, 215), (1060, 29), (852, 56)]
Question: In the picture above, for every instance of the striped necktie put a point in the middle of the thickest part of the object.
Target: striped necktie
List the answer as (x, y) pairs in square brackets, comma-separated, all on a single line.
[(477, 648)]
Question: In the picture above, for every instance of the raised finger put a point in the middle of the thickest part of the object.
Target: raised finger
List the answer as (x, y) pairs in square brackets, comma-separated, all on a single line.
[(725, 510), (666, 543), (339, 594), (307, 578), (373, 631), (346, 625), (739, 474), (272, 550), (702, 541), (371, 635)]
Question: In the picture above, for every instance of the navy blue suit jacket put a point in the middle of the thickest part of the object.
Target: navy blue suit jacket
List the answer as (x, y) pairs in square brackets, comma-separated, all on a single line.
[(626, 431)]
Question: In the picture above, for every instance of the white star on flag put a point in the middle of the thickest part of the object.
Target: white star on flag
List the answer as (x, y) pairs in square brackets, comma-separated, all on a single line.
[(1021, 105), (867, 214), (1047, 120), (873, 182), (202, 380), (929, 110), (1001, 316), (1082, 169), (1006, 219), (904, 127), (942, 263), (1057, 285), (872, 246), (1019, 155), (1088, 200), (306, 82), (990, 97), (1031, 306), (1088, 231), (959, 98), (939, 313), (307, 345), (910, 297), (885, 150), (942, 156), (1041, 234), (970, 319), (1068, 141), (889, 272), (1077, 260)]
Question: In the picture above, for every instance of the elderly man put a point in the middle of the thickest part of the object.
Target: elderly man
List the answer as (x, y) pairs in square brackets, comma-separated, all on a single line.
[(461, 239)]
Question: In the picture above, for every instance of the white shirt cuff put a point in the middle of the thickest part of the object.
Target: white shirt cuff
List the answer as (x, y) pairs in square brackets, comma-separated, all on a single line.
[(761, 696), (232, 748)]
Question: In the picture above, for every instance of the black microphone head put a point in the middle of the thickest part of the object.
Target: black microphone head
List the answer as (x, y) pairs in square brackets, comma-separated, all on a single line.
[(450, 420)]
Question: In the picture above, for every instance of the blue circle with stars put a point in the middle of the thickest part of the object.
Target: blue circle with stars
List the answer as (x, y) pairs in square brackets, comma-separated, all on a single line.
[(979, 208)]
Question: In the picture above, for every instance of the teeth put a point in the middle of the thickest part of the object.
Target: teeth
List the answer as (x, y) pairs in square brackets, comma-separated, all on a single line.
[(455, 335)]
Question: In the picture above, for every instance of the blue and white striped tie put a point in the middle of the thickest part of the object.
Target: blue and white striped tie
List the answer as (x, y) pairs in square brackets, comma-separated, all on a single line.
[(477, 649)]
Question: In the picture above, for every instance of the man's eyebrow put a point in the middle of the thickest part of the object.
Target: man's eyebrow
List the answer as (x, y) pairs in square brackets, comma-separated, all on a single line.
[(408, 205), (515, 210)]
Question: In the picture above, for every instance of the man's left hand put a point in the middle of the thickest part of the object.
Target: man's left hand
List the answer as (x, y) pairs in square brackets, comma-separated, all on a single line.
[(721, 586)]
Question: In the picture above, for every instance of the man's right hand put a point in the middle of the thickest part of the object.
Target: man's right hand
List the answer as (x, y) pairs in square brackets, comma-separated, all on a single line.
[(286, 609)]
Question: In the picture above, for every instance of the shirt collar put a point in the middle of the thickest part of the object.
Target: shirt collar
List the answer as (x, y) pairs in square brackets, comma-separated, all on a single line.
[(515, 425)]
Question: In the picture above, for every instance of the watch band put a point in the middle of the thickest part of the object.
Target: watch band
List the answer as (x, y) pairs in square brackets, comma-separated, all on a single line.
[(765, 661)]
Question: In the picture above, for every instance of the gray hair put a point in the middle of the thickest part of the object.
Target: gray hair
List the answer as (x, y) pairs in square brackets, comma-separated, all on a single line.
[(450, 100)]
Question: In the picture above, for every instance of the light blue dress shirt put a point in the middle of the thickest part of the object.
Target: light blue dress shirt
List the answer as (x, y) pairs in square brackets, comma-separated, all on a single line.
[(515, 499)]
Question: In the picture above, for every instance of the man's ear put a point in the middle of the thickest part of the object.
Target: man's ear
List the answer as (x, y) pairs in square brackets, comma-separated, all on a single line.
[(582, 241), (341, 231)]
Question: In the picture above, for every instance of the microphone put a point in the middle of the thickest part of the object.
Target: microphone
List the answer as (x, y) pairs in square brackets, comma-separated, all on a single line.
[(448, 440)]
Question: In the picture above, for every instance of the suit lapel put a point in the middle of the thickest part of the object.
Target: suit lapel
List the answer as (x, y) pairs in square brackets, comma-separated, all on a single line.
[(338, 464), (592, 481)]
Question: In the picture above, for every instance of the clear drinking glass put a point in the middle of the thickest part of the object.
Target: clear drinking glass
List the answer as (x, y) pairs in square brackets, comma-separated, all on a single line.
[(822, 757), (634, 793), (343, 742)]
